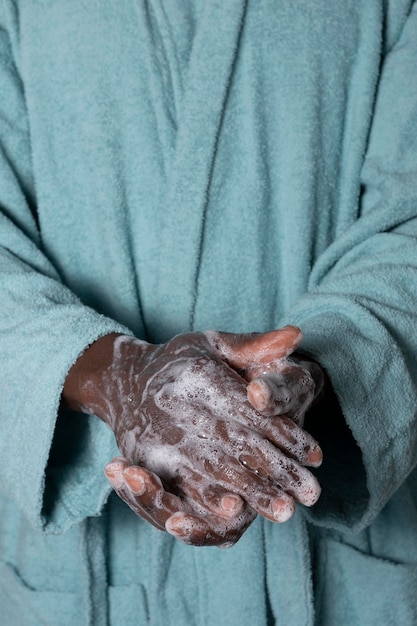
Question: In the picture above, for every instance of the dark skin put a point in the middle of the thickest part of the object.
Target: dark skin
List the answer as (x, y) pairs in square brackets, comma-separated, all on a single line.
[(209, 426)]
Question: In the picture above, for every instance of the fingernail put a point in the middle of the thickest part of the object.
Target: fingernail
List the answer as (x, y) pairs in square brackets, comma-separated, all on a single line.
[(231, 504), (134, 481), (179, 524), (282, 509), (315, 457), (114, 477), (258, 394)]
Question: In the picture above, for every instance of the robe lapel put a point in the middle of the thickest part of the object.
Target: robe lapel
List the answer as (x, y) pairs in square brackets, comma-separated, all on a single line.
[(187, 193)]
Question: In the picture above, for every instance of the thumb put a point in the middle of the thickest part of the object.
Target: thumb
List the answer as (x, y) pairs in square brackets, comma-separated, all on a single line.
[(248, 349)]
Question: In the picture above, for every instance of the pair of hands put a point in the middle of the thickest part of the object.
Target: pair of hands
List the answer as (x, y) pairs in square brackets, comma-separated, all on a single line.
[(209, 425)]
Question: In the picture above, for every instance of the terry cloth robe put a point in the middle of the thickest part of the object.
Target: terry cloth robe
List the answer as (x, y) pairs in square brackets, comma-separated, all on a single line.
[(170, 165)]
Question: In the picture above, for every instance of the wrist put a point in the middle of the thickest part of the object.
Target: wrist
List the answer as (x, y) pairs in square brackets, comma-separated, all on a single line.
[(95, 358), (88, 387)]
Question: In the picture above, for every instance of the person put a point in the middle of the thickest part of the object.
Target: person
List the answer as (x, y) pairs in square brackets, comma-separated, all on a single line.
[(186, 190)]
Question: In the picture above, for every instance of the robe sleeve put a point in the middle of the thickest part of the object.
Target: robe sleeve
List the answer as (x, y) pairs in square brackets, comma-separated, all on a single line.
[(43, 329), (359, 316)]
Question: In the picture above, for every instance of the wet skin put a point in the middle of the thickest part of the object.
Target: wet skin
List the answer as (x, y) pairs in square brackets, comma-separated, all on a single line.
[(206, 424)]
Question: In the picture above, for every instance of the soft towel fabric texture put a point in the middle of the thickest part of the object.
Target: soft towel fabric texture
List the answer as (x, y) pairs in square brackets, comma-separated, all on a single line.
[(237, 165)]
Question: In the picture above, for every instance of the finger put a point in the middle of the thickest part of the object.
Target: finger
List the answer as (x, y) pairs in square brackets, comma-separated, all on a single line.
[(260, 493), (269, 395), (114, 471), (295, 442), (222, 476), (289, 392), (244, 350), (144, 493), (244, 461), (221, 502), (295, 480), (206, 497), (268, 463), (199, 532), (114, 474)]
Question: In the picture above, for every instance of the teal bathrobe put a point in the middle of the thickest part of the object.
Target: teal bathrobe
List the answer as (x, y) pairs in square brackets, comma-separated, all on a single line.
[(168, 165)]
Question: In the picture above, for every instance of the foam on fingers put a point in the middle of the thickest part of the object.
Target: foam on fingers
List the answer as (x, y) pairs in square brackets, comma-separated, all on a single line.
[(247, 350)]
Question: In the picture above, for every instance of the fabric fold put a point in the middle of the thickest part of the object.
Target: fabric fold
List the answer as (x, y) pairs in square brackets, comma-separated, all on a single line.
[(210, 69)]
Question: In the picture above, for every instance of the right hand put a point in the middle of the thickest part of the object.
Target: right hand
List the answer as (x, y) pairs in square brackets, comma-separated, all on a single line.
[(198, 459)]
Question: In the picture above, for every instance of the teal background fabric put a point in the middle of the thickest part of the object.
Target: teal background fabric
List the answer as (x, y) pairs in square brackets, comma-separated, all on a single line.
[(201, 164)]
